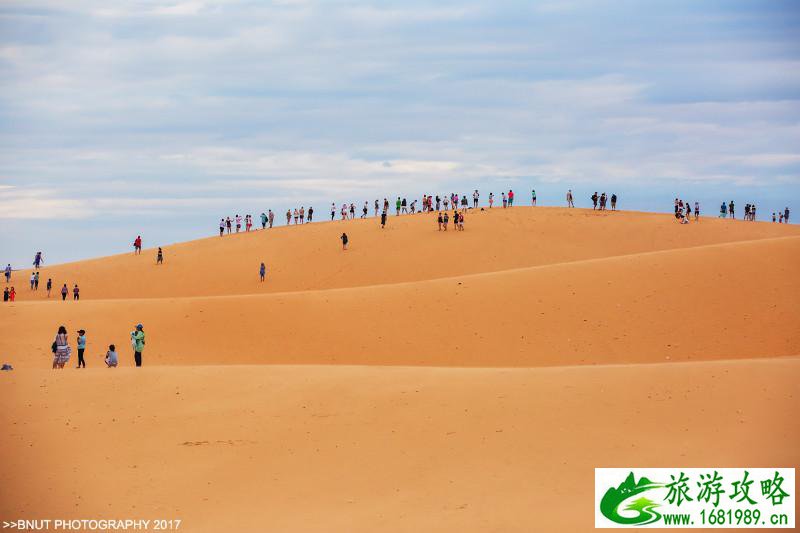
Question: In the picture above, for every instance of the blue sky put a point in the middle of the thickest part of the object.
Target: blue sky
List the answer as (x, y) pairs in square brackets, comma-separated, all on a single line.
[(157, 118)]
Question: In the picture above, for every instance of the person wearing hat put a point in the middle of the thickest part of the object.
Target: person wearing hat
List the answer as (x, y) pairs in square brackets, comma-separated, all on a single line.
[(81, 348), (137, 340)]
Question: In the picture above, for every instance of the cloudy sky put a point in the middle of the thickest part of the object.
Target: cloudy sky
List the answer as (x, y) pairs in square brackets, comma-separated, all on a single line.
[(157, 118)]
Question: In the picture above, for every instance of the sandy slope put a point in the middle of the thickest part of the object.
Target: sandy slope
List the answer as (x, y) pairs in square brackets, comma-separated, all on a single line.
[(499, 366), (410, 249), (719, 301), (377, 449)]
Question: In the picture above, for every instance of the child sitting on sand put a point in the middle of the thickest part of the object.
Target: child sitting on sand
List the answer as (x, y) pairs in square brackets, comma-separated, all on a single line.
[(111, 357)]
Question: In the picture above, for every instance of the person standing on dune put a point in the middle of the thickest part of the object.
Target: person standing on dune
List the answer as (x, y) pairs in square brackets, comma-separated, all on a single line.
[(8, 272), (270, 217), (333, 211), (160, 257), (288, 216), (137, 245), (64, 292), (383, 219), (310, 215), (263, 220), (786, 215), (730, 210), (510, 198), (262, 271), (376, 207), (76, 293), (302, 214), (344, 241), (37, 260), (81, 348), (570, 203), (228, 224), (221, 227), (137, 341), (61, 349), (533, 197), (49, 286), (12, 294), (614, 202)]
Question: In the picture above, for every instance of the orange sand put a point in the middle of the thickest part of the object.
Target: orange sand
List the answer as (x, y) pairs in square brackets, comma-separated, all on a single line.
[(495, 369)]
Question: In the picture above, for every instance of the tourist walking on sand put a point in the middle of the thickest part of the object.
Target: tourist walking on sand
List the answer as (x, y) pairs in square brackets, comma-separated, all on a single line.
[(64, 292), (296, 215), (111, 359), (6, 293), (376, 207), (364, 210), (248, 221), (491, 200), (228, 224), (81, 348), (475, 197), (570, 203), (238, 222), (439, 220), (786, 215), (160, 257), (302, 214), (288, 216), (12, 294), (221, 227), (445, 219), (137, 342), (310, 215), (505, 200), (263, 220), (8, 272), (333, 211), (137, 245), (344, 241), (49, 286), (594, 200), (461, 221), (262, 271), (383, 219), (533, 197), (76, 292), (613, 202), (33, 279), (510, 198), (37, 260), (270, 217), (730, 210), (61, 349), (352, 211), (398, 204)]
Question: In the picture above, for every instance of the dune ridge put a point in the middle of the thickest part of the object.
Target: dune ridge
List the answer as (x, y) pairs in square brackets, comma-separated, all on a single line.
[(418, 381)]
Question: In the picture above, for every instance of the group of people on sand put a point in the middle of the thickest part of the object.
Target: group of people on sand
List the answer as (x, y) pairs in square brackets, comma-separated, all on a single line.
[(782, 218), (300, 216), (10, 293), (62, 351), (683, 211), (599, 202), (458, 220)]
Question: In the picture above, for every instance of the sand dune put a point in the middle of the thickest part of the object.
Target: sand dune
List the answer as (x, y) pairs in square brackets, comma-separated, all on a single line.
[(418, 381), (718, 301), (324, 448), (410, 249)]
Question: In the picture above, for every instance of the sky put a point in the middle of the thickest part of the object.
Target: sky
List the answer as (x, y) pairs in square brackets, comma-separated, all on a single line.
[(157, 118)]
